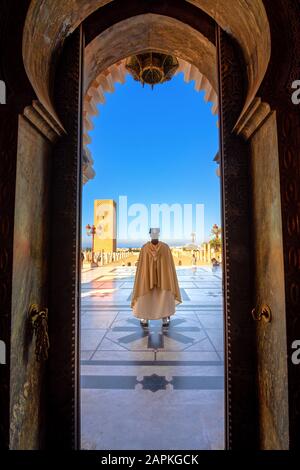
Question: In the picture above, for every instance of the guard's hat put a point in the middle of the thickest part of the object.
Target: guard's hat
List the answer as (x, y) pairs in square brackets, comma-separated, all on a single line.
[(154, 233)]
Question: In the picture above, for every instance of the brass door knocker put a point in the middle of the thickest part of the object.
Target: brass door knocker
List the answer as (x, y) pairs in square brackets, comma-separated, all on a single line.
[(38, 318), (262, 312)]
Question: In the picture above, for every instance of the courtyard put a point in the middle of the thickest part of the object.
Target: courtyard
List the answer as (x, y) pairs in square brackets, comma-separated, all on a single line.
[(156, 388)]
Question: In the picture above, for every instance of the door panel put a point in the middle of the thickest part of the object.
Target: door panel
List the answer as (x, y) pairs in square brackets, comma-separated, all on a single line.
[(240, 403), (269, 289), (30, 277), (8, 161), (64, 307)]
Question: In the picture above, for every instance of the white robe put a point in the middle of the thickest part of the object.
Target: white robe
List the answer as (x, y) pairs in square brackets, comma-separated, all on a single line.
[(155, 305)]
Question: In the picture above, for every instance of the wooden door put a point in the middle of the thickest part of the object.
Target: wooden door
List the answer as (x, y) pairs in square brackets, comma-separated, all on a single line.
[(240, 357), (64, 306)]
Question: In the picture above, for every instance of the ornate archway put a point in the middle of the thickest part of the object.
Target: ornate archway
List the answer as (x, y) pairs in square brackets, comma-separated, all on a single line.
[(131, 36), (105, 83), (271, 125), (105, 58), (255, 49), (43, 40)]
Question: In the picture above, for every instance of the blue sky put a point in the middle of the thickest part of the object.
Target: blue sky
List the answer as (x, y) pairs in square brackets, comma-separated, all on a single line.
[(155, 146)]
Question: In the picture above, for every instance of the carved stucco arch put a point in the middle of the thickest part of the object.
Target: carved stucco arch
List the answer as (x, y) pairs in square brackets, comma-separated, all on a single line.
[(106, 80), (43, 39), (106, 55)]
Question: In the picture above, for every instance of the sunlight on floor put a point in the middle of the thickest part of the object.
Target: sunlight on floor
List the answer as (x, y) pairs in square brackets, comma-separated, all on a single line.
[(161, 389)]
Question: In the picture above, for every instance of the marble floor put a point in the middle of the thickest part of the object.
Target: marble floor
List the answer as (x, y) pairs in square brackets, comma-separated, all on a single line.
[(155, 389)]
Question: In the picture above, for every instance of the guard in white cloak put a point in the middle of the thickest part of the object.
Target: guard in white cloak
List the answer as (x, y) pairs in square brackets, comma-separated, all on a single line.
[(155, 292)]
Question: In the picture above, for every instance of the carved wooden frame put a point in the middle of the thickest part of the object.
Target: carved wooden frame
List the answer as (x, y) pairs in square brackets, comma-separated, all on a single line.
[(277, 91), (8, 146), (63, 389), (239, 330)]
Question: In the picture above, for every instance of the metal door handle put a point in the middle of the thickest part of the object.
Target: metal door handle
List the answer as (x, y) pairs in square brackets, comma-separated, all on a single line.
[(262, 312)]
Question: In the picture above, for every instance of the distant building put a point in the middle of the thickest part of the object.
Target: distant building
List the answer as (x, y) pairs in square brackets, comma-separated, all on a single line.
[(105, 221)]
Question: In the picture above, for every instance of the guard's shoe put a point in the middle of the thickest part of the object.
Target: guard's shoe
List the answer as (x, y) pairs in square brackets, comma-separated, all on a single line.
[(144, 323), (166, 321)]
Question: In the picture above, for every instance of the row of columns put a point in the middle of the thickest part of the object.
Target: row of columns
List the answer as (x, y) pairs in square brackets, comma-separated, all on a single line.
[(102, 258), (206, 254), (203, 255)]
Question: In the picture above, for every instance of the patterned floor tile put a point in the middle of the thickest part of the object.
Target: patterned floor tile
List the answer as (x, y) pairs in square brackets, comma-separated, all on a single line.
[(169, 378)]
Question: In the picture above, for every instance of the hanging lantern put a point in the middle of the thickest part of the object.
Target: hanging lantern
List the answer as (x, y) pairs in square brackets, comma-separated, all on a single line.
[(152, 68)]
